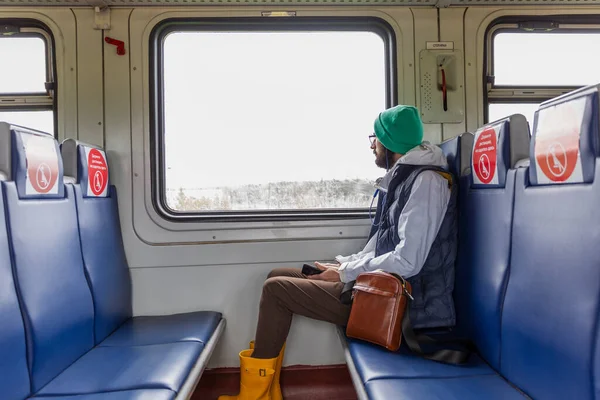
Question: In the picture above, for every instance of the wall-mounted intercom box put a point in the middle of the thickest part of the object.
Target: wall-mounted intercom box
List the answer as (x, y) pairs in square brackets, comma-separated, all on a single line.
[(442, 85)]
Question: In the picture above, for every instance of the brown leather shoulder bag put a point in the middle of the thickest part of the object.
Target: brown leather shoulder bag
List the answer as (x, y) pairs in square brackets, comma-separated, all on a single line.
[(379, 303), (380, 315)]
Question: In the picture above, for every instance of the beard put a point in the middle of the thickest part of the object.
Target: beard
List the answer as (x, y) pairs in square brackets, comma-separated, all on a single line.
[(380, 158)]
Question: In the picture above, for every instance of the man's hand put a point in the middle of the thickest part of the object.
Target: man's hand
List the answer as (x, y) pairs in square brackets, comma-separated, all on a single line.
[(324, 266), (330, 273)]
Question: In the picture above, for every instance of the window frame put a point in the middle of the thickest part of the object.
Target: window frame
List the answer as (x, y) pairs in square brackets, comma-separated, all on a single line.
[(498, 94), (262, 24), (33, 101)]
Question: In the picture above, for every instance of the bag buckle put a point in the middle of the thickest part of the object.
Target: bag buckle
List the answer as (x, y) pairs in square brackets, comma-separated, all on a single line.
[(406, 292), (402, 282), (262, 372)]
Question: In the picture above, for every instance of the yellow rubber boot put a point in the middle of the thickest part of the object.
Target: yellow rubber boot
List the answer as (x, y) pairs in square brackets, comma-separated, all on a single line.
[(256, 378), (275, 387)]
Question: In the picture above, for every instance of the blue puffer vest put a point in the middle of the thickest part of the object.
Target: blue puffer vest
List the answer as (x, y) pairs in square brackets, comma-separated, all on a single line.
[(432, 287)]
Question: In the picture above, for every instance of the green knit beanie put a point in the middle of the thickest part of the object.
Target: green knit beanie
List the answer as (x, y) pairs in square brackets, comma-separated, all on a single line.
[(399, 129)]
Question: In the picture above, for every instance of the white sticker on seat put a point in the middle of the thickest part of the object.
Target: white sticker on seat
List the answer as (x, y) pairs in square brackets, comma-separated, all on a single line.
[(42, 165), (557, 156)]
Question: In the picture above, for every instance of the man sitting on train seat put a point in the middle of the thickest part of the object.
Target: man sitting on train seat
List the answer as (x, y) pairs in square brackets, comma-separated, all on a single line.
[(413, 234)]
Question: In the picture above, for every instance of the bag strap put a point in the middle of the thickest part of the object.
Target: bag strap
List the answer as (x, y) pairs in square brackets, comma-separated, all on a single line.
[(448, 176), (446, 356)]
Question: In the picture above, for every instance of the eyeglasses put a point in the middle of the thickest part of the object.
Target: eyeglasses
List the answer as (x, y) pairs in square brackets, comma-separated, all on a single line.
[(372, 139)]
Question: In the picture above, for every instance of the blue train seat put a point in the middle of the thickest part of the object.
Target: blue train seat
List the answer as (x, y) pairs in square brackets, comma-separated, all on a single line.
[(528, 277), (486, 216), (458, 153), (42, 219), (106, 265), (14, 373), (550, 316), (141, 394), (72, 284)]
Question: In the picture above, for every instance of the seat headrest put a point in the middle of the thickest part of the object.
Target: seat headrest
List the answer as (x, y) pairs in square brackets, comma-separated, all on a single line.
[(565, 134), (87, 164), (31, 159), (498, 147), (458, 152)]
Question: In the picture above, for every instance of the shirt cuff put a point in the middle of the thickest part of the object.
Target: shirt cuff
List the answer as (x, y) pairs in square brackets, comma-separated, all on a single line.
[(342, 272)]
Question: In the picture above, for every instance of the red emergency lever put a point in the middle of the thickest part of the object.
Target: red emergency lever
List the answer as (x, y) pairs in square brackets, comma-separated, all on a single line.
[(120, 45), (444, 90)]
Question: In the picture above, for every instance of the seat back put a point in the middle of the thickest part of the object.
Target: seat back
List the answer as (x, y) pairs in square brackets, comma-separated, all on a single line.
[(486, 209), (458, 153), (551, 309), (100, 232), (51, 283), (14, 375)]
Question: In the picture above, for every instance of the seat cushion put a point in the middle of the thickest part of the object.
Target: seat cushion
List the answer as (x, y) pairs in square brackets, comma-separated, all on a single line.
[(488, 387), (375, 362), (105, 369), (189, 327), (154, 394)]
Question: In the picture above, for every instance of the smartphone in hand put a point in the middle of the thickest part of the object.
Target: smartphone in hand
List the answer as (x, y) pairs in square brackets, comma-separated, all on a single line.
[(308, 269)]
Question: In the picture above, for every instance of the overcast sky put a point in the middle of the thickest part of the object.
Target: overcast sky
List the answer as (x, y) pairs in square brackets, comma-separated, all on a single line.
[(543, 59), (267, 107), (23, 69)]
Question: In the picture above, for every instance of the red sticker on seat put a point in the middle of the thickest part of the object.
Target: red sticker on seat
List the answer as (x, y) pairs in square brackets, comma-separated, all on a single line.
[(97, 172), (42, 165), (557, 143), (485, 152), (557, 158)]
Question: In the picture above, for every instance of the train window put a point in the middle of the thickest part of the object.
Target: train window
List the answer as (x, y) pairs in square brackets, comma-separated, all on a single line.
[(26, 91), (546, 59), (497, 111), (26, 70), (533, 60), (271, 121), (40, 120)]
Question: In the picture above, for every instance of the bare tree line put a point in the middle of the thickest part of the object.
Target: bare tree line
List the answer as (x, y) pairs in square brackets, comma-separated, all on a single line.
[(280, 195)]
